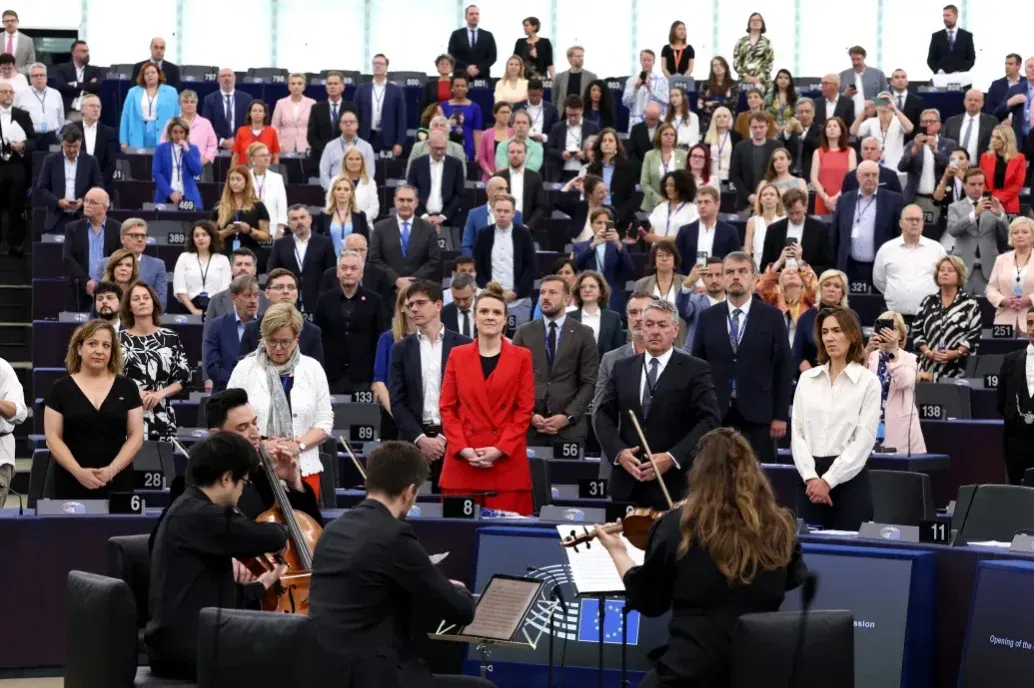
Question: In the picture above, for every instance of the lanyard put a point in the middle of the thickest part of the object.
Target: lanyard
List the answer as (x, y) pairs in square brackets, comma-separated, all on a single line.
[(667, 227), (862, 209), (341, 218), (678, 58), (742, 327), (204, 270), (80, 75), (666, 166), (260, 188), (150, 103), (721, 148), (177, 163), (42, 101), (379, 102)]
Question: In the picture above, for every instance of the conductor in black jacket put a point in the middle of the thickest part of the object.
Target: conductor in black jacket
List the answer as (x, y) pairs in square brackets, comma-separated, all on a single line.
[(745, 341), (816, 250), (673, 397), (78, 77), (472, 48), (1016, 406), (76, 247), (951, 49), (375, 593)]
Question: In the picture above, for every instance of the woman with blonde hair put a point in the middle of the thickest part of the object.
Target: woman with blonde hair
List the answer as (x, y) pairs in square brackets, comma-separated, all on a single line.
[(92, 418), (896, 368), (269, 187), (353, 166), (947, 327), (729, 550), (512, 87), (768, 208), (240, 217), (291, 116), (122, 269), (789, 287), (1011, 287), (721, 138), (400, 327), (1005, 168), (831, 292), (342, 216)]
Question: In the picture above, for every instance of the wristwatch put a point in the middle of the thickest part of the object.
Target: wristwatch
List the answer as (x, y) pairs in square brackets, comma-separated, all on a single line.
[(301, 446), (570, 420)]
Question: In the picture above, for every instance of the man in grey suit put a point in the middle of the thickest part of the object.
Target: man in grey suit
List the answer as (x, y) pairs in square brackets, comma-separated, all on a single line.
[(634, 310), (861, 82), (244, 262), (925, 161), (972, 129), (16, 43), (565, 361), (405, 246), (978, 224), (576, 80)]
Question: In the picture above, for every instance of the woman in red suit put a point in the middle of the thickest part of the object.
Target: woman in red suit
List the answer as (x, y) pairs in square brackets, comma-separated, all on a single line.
[(1004, 168), (488, 394)]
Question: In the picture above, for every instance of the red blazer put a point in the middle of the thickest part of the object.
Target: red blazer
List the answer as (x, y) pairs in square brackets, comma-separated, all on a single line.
[(1015, 171), (245, 137), (487, 413)]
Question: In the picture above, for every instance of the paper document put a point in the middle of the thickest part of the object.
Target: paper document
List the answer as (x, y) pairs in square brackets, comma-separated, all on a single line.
[(592, 569), (991, 543), (502, 608), (438, 558)]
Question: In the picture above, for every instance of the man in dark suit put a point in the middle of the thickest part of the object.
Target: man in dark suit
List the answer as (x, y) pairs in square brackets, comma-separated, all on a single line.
[(351, 320), (863, 222), (15, 167), (438, 180), (414, 408), (951, 49), (242, 261), (564, 147), (565, 361), (909, 104), (63, 197), (1016, 406), (382, 110), (315, 252), (542, 112), (375, 279), (745, 341), (972, 129), (458, 316), (375, 592), (872, 149), (750, 159), (406, 246), (832, 104), (1017, 103), (171, 71), (87, 242), (531, 195), (673, 398), (325, 118), (472, 48), (999, 90), (77, 78), (925, 160), (282, 287), (640, 137), (708, 236), (222, 346), (226, 109), (515, 259), (801, 136), (812, 235), (99, 140)]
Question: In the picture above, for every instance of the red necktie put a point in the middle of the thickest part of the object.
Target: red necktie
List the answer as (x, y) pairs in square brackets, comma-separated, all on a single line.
[(10, 44)]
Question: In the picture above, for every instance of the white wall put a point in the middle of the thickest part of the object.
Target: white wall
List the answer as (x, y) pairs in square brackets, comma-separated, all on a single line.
[(810, 36)]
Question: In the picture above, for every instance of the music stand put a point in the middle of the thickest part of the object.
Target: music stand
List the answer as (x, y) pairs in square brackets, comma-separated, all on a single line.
[(499, 617)]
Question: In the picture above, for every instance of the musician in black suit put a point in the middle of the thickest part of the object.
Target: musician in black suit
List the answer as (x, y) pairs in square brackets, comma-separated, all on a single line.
[(95, 230), (51, 191), (472, 48), (282, 287), (951, 49), (406, 246), (15, 167), (745, 341), (375, 592), (374, 279), (77, 78), (458, 316), (315, 251), (673, 398), (414, 409), (99, 140), (811, 234), (1016, 406), (534, 207), (325, 118), (171, 71)]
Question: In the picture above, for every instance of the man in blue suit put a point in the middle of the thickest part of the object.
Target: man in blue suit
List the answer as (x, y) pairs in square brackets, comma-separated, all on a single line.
[(745, 341), (382, 110), (928, 148), (481, 217), (708, 236), (414, 408), (133, 235), (862, 222), (438, 179), (60, 195), (998, 93), (223, 336), (1018, 103), (226, 109), (872, 149), (282, 287)]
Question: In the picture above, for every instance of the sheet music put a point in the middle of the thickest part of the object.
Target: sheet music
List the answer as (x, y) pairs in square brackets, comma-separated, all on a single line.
[(438, 558), (592, 569), (501, 608)]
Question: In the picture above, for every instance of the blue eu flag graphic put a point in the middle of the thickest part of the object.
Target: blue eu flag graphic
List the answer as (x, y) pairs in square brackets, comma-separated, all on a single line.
[(589, 622)]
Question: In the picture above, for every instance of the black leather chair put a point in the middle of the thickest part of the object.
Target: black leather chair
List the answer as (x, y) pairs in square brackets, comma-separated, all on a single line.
[(992, 512), (902, 497), (37, 477), (130, 561), (541, 485), (764, 648), (255, 649), (102, 637)]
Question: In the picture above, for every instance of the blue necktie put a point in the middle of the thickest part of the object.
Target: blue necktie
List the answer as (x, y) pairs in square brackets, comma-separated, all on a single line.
[(651, 382), (333, 115), (405, 238), (734, 330), (473, 38), (229, 114)]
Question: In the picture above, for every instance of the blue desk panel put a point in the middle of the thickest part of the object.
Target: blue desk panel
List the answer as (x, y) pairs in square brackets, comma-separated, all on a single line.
[(999, 648)]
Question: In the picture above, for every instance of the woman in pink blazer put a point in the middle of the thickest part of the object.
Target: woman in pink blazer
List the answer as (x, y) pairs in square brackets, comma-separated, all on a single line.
[(490, 138), (901, 429), (1011, 287), (201, 134), (291, 116)]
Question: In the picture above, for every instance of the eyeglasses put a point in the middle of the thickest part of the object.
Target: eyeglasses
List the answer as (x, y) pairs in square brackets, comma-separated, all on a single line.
[(280, 343), (284, 287), (135, 235), (912, 220)]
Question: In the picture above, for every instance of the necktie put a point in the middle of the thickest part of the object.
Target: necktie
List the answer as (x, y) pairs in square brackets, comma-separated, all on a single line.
[(465, 329), (405, 237), (10, 44), (551, 344), (951, 40), (901, 102), (229, 113), (473, 37), (969, 130), (651, 382), (734, 330), (333, 115)]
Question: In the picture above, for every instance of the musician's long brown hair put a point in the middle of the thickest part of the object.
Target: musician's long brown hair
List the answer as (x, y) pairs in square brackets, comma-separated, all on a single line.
[(731, 510)]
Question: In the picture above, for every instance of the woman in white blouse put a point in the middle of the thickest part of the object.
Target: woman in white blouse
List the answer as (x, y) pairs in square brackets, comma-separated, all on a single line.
[(201, 270), (685, 121), (885, 123), (353, 166), (512, 87), (676, 211), (836, 412), (269, 187), (768, 208), (665, 282), (721, 139), (288, 391)]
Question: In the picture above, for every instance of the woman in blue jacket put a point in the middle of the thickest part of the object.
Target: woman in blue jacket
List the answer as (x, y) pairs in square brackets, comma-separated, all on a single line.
[(176, 162), (148, 108)]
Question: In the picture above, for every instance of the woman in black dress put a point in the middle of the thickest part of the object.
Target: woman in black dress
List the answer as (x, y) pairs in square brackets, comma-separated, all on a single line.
[(537, 52), (92, 418), (154, 359), (729, 550), (241, 218)]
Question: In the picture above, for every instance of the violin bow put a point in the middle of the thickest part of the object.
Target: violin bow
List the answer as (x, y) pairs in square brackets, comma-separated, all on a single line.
[(649, 455), (351, 455), (176, 443)]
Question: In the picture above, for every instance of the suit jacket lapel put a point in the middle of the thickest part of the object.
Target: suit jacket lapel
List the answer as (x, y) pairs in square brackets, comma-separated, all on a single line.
[(538, 342), (414, 350), (567, 334)]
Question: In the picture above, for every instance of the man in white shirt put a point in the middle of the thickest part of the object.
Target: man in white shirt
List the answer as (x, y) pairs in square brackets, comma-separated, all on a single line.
[(861, 82), (9, 74), (972, 129), (12, 412), (977, 224), (904, 266), (925, 161), (44, 105), (382, 110), (17, 44), (505, 266), (334, 153), (644, 88), (17, 140)]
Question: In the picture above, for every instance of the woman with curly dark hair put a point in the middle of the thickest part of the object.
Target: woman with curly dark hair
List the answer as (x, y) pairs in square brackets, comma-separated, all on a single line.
[(599, 104)]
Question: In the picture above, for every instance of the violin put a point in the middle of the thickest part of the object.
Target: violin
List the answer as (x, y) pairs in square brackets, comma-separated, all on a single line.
[(635, 526), (290, 594)]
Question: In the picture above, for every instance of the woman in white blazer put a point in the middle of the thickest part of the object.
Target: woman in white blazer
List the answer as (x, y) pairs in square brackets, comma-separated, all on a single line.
[(291, 116), (1011, 287), (288, 391), (353, 166), (269, 187)]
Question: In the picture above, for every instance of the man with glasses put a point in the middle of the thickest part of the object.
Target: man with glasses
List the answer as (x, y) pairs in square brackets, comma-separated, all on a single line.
[(44, 105), (904, 267), (862, 223), (16, 44), (334, 153), (382, 110), (282, 287), (925, 161), (17, 142), (226, 109), (86, 243), (64, 180), (152, 270)]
